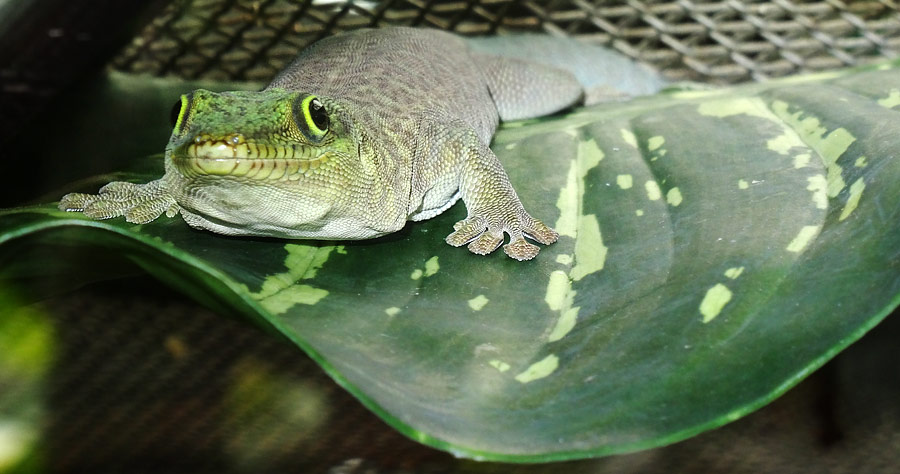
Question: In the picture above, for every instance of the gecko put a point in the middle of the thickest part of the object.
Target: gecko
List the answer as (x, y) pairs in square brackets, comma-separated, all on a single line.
[(361, 133)]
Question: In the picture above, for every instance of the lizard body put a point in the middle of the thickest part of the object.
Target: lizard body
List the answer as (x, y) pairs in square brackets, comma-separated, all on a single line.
[(361, 133)]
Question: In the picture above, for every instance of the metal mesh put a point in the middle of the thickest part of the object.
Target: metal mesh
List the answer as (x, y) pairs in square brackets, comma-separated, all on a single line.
[(714, 41)]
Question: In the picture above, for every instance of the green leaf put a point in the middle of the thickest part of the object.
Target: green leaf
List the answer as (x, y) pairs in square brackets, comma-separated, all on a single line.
[(716, 247)]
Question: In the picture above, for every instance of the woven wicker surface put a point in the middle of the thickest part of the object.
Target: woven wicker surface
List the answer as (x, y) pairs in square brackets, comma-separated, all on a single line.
[(715, 41)]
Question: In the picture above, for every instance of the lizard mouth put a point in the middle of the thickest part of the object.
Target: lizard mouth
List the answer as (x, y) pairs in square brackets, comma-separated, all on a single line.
[(233, 155)]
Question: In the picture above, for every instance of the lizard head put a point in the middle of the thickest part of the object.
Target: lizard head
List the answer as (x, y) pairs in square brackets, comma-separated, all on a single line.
[(276, 162), (272, 136)]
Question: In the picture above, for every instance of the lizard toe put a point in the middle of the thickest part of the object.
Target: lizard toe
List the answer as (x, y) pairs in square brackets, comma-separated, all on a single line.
[(120, 189), (149, 210), (101, 209), (539, 231), (520, 249), (466, 231), (75, 202), (486, 243), (483, 237)]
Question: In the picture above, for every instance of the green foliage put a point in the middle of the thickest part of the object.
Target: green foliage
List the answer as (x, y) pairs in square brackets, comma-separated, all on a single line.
[(717, 246)]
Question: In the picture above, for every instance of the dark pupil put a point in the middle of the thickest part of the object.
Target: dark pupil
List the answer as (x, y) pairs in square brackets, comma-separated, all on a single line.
[(318, 115), (176, 111)]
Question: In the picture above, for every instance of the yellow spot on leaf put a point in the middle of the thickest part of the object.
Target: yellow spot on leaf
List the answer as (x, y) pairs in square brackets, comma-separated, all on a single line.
[(431, 266), (734, 272), (295, 294), (715, 299), (392, 311), (892, 100), (511, 146), (564, 324), (860, 162), (539, 370), (801, 160), (835, 143), (653, 191), (751, 106), (639, 212), (856, 190), (629, 137), (571, 195), (499, 365), (754, 107), (416, 274), (281, 291), (560, 297), (557, 290), (673, 197), (830, 146), (624, 181), (302, 262), (590, 253), (743, 184), (835, 181), (478, 302), (655, 142), (819, 187), (803, 238), (783, 143), (569, 203), (589, 156), (564, 259)]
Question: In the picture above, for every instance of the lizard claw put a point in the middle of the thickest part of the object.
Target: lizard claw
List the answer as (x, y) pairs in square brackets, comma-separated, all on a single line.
[(538, 231), (466, 231), (485, 243), (483, 238), (520, 249)]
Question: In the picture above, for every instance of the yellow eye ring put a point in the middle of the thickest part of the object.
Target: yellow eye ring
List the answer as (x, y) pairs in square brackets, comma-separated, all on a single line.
[(179, 112), (315, 116)]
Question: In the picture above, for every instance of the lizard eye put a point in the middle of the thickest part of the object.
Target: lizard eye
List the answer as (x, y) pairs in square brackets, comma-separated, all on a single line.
[(318, 115), (313, 118)]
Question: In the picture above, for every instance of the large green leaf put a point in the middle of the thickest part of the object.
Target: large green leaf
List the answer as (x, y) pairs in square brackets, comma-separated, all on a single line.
[(716, 247)]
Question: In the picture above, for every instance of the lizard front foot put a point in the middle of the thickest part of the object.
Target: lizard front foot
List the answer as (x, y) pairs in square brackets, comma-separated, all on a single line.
[(484, 236), (139, 203)]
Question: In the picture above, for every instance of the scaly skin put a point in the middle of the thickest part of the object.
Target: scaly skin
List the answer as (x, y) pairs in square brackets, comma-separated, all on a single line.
[(361, 133)]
